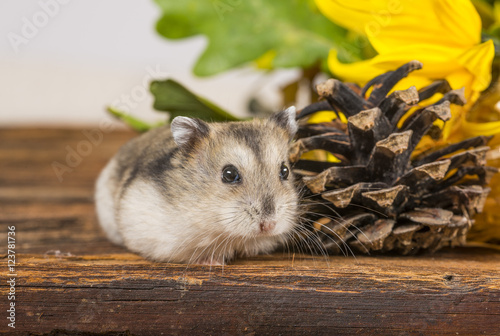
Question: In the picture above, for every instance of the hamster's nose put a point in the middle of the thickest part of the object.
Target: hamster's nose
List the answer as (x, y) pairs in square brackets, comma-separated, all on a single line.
[(267, 226)]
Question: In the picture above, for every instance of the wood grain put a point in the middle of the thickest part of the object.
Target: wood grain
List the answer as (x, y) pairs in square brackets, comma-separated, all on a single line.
[(71, 278)]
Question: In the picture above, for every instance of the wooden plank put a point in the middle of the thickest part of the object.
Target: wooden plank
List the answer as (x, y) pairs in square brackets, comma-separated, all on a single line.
[(265, 295), (27, 156), (71, 278)]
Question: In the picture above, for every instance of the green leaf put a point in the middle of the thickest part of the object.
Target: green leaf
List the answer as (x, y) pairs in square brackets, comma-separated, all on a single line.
[(241, 31), (172, 97), (136, 124)]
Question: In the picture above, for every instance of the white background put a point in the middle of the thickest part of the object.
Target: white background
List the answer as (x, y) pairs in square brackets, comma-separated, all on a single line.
[(89, 54)]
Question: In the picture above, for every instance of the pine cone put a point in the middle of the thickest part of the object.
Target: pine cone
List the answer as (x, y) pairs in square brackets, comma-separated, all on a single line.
[(382, 195)]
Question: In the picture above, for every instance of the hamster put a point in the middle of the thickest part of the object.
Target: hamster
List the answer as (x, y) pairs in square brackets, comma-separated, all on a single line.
[(201, 193)]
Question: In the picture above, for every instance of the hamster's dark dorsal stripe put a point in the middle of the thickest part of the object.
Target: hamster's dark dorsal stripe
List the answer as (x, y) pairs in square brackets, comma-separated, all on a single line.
[(130, 177), (251, 137), (268, 207), (158, 166), (154, 169)]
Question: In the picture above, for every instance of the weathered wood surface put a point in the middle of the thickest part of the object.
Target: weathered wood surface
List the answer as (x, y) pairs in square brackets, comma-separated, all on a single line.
[(70, 278)]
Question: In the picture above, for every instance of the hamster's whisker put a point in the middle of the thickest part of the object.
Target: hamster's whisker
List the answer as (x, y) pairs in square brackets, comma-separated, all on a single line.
[(333, 219), (187, 241), (297, 239), (370, 209), (219, 244), (317, 244), (196, 237), (201, 253), (214, 248), (211, 245), (224, 253), (309, 234), (306, 242), (292, 239), (241, 219), (337, 220), (284, 242), (311, 195), (301, 189), (312, 234), (340, 223), (326, 205), (342, 240), (359, 230), (322, 250), (316, 233)]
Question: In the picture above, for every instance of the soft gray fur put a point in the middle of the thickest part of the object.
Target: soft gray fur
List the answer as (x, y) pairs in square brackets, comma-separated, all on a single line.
[(163, 197)]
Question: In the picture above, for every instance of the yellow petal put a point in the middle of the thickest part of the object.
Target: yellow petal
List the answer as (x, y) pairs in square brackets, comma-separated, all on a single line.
[(450, 23), (477, 60), (454, 125), (325, 116), (353, 15), (496, 11), (472, 129), (319, 155), (461, 78), (474, 77), (437, 63), (357, 72), (436, 66), (389, 23)]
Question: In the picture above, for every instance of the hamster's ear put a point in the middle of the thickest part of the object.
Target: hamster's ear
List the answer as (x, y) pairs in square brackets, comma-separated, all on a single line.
[(186, 130), (286, 120)]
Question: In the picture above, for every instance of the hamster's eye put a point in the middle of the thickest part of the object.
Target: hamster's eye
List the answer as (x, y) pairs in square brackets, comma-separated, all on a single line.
[(230, 174), (284, 171)]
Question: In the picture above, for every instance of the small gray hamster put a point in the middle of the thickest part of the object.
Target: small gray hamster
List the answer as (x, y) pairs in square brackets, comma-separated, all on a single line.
[(201, 193)]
